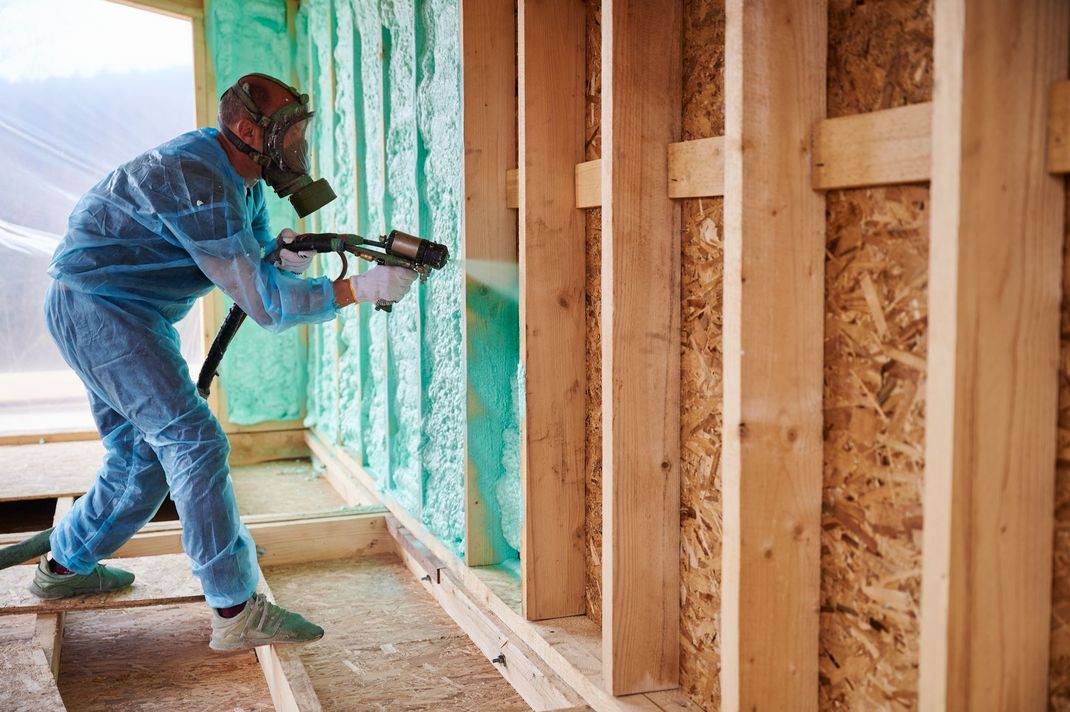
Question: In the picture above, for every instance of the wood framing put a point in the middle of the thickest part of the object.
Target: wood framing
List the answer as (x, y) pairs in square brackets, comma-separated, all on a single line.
[(552, 320), (284, 539), (287, 680), (1059, 128), (696, 168), (641, 114), (183, 9), (994, 293), (540, 687), (589, 184), (570, 647), (774, 235), (160, 580), (48, 628), (488, 41), (877, 148)]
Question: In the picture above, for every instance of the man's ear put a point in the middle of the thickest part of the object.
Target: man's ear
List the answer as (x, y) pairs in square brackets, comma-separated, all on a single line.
[(249, 132)]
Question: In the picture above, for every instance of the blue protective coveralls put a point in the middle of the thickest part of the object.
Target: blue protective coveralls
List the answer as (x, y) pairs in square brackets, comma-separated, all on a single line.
[(140, 248)]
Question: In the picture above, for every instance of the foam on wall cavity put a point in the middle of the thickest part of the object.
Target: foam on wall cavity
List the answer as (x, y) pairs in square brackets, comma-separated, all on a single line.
[(441, 180), (401, 207), (510, 498), (371, 187), (393, 388), (493, 349), (263, 375)]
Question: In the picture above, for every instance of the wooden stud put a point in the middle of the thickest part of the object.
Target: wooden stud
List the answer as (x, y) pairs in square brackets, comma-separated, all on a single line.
[(696, 168), (641, 87), (774, 237), (589, 184), (994, 293), (488, 40), (537, 684), (570, 647), (182, 9), (552, 320), (284, 539), (1059, 128), (48, 627), (512, 188), (291, 688), (878, 148)]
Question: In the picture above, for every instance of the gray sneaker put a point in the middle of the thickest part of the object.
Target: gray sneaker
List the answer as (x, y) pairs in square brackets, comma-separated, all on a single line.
[(261, 623), (50, 586)]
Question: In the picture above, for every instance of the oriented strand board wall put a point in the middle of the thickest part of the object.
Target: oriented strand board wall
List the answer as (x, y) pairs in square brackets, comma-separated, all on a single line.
[(1060, 611), (702, 220), (880, 56), (593, 466)]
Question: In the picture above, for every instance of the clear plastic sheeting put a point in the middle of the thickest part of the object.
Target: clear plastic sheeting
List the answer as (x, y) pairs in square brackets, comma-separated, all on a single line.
[(68, 116)]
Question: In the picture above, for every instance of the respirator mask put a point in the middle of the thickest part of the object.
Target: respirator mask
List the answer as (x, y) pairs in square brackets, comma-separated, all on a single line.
[(285, 161)]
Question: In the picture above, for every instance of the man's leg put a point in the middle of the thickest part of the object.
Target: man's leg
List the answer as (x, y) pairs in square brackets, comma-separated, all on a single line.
[(128, 491), (128, 355)]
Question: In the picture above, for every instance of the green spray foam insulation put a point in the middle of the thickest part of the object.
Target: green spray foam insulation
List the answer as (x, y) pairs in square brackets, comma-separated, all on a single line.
[(263, 374), (395, 390)]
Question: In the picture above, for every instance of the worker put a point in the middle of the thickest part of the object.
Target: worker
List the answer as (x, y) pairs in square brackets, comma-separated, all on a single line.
[(140, 248)]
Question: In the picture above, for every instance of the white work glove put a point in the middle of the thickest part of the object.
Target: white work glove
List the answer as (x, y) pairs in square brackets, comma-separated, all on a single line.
[(292, 260), (382, 282)]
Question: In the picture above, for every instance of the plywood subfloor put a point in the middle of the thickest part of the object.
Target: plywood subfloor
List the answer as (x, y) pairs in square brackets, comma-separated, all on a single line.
[(26, 683), (284, 487), (50, 470), (159, 580), (388, 645), (154, 659)]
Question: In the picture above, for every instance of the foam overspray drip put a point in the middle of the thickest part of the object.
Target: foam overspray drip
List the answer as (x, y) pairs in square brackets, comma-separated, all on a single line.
[(499, 276)]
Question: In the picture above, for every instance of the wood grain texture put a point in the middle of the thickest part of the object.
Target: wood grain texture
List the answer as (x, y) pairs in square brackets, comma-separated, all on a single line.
[(589, 184), (48, 471), (701, 377), (159, 580), (529, 676), (997, 226), (551, 111), (26, 682), (641, 87), (1059, 128), (876, 335), (592, 391), (390, 646), (696, 168), (155, 659), (1059, 677), (875, 148), (775, 58), (488, 42)]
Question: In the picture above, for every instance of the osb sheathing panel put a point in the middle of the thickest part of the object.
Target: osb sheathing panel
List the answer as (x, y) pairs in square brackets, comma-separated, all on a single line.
[(880, 56), (593, 218), (1059, 684), (700, 384)]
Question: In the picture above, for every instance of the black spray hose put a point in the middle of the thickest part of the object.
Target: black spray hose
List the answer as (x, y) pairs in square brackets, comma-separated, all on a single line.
[(25, 550), (222, 340)]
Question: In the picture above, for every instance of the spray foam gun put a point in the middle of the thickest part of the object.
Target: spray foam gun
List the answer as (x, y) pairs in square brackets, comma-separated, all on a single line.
[(398, 249)]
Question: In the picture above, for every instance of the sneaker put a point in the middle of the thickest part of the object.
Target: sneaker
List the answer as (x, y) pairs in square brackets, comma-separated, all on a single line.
[(261, 623), (50, 586)]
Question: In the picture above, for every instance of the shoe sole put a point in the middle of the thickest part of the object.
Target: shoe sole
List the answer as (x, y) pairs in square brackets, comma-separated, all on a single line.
[(53, 594), (232, 647)]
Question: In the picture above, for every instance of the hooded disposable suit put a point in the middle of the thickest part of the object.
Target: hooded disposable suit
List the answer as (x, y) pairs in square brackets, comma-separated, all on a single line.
[(140, 248)]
